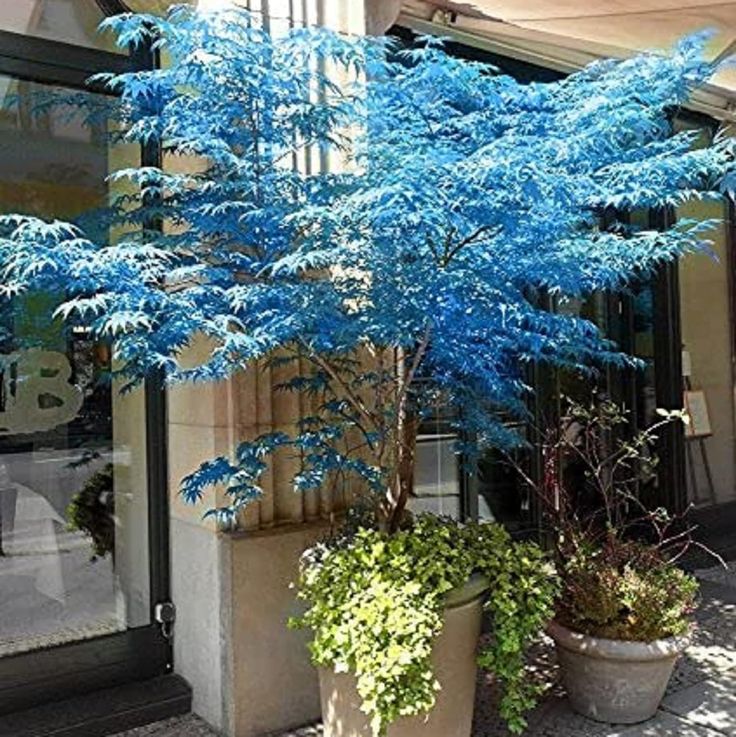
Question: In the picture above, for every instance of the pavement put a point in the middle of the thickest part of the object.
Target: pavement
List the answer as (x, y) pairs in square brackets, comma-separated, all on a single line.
[(700, 701)]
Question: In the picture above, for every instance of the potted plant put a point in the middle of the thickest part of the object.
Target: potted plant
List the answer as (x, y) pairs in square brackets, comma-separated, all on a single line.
[(396, 620), (623, 615), (411, 275)]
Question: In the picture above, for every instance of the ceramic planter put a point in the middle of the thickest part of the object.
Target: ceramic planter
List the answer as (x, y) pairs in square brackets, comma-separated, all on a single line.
[(454, 662), (615, 681)]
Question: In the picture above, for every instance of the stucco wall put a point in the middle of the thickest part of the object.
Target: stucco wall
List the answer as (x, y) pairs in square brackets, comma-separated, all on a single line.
[(707, 335)]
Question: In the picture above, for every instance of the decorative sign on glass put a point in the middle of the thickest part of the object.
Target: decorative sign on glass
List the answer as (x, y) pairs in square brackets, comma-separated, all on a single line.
[(36, 392)]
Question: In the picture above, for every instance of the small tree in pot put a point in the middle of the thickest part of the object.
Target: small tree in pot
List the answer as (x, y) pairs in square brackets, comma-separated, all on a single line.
[(623, 614), (412, 276)]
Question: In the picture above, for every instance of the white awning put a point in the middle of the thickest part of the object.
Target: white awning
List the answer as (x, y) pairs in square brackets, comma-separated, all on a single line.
[(567, 34)]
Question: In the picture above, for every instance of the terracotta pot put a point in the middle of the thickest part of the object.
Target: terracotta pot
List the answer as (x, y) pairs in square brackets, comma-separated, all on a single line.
[(615, 681), (454, 662)]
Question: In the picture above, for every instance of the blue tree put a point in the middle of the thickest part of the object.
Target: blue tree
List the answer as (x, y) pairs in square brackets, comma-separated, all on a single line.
[(409, 276)]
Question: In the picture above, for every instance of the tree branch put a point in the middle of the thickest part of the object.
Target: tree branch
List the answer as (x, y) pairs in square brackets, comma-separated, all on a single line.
[(350, 395), (450, 253)]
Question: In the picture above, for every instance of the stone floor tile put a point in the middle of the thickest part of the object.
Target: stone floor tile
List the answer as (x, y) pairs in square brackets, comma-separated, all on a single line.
[(187, 726), (555, 718), (711, 703), (710, 653), (664, 725), (723, 575)]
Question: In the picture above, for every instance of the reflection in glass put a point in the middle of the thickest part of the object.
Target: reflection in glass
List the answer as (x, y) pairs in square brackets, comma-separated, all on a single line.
[(72, 21), (437, 486), (502, 496), (73, 505), (437, 482)]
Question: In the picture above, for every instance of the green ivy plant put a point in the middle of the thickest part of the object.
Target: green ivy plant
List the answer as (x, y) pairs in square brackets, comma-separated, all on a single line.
[(375, 606)]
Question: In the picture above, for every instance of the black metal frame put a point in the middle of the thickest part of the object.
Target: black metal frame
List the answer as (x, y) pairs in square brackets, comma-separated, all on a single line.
[(59, 672), (672, 492), (56, 62)]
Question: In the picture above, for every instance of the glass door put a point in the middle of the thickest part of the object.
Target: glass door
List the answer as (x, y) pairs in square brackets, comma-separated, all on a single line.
[(82, 490)]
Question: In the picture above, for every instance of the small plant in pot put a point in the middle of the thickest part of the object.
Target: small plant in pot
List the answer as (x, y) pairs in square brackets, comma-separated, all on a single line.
[(623, 615), (404, 272)]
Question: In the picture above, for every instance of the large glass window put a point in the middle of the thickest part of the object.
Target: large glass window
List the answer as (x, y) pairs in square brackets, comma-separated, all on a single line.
[(73, 493), (502, 497)]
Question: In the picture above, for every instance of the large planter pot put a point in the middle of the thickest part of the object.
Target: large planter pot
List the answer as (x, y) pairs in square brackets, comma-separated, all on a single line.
[(615, 681), (454, 663)]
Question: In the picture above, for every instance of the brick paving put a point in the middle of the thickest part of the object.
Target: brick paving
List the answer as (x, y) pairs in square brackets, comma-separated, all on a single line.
[(700, 701)]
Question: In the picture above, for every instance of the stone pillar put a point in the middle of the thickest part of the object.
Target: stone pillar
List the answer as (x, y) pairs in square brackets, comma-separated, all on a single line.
[(273, 684), (250, 675), (201, 426)]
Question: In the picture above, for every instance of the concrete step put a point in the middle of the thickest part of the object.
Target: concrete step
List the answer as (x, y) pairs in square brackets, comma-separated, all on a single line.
[(104, 712)]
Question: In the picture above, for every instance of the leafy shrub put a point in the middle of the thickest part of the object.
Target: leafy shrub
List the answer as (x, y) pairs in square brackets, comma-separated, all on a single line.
[(616, 557), (92, 511), (626, 590), (376, 603)]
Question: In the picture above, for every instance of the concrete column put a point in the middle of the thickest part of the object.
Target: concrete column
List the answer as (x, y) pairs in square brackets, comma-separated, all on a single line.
[(233, 591), (201, 426), (250, 675), (273, 685)]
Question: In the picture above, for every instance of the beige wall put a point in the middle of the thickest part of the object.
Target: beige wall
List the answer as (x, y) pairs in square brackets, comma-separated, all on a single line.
[(707, 334), (201, 426), (233, 589), (274, 686)]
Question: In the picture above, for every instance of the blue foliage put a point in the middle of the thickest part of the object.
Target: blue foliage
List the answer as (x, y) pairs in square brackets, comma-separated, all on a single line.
[(465, 197)]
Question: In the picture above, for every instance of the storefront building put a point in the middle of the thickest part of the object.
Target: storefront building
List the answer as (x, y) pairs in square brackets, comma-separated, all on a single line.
[(74, 619)]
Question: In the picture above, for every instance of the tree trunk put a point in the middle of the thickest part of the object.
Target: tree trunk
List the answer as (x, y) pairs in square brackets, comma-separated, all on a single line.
[(403, 436), (403, 482)]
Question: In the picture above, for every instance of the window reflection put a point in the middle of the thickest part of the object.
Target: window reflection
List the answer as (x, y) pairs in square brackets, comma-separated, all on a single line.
[(502, 496), (72, 21), (73, 497), (437, 486)]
